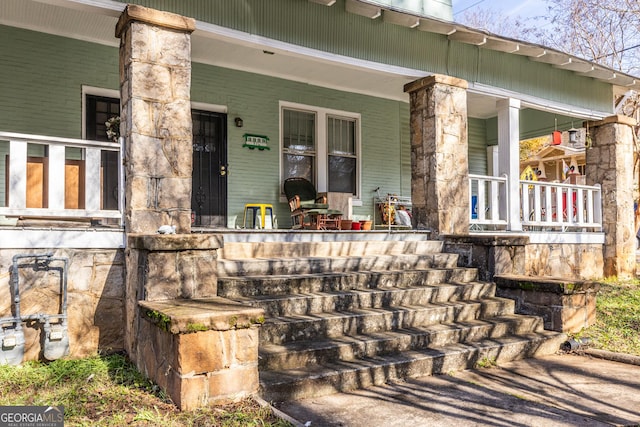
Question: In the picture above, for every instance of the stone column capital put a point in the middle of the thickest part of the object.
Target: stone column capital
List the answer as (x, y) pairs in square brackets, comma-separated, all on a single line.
[(615, 119), (434, 79), (154, 17)]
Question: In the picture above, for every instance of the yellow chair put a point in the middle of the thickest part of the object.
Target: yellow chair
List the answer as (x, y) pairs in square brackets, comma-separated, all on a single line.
[(263, 212)]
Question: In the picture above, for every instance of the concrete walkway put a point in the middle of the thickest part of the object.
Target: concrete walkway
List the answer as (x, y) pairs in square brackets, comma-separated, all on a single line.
[(559, 390)]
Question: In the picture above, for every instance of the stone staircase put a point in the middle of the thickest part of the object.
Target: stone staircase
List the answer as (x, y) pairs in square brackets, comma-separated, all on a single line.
[(351, 310)]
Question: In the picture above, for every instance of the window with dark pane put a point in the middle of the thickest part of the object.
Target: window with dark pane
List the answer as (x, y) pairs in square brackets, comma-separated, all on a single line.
[(341, 149), (299, 144)]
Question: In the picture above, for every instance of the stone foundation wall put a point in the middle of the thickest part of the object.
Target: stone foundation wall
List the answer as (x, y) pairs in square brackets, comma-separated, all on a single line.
[(201, 352), (580, 261), (95, 298), (494, 255), (167, 267), (563, 306)]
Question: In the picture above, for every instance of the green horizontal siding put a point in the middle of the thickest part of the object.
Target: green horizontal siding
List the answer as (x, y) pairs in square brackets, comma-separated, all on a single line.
[(42, 77), (331, 29), (254, 175), (4, 152), (41, 80), (534, 123), (523, 75), (477, 146)]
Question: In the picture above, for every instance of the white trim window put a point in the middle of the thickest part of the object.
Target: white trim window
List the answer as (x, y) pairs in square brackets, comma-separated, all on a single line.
[(321, 145)]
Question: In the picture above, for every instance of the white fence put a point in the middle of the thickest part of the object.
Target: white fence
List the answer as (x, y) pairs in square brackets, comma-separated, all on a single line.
[(484, 200), (51, 172), (558, 206), (544, 206)]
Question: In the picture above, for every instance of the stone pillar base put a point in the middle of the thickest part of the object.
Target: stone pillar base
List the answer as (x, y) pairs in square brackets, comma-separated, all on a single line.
[(564, 306), (201, 352)]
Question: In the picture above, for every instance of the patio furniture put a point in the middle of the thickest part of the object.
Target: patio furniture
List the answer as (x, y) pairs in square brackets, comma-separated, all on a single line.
[(307, 209), (261, 212)]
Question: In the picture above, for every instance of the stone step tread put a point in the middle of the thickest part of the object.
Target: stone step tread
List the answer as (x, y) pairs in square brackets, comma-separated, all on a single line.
[(331, 300), (267, 349), (456, 275), (299, 327), (326, 274), (443, 255), (259, 299), (267, 266), (322, 316), (237, 250), (397, 362)]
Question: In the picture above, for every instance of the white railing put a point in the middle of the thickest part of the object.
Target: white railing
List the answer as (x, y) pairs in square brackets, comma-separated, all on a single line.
[(562, 207), (55, 180), (485, 196)]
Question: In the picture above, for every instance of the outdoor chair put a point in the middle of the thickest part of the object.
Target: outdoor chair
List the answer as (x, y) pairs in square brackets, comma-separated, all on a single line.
[(308, 210)]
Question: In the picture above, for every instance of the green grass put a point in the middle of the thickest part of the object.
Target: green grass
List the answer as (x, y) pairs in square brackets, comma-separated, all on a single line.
[(617, 326), (109, 391)]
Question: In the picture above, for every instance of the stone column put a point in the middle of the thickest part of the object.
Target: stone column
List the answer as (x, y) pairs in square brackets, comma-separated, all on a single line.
[(439, 154), (155, 84), (610, 164)]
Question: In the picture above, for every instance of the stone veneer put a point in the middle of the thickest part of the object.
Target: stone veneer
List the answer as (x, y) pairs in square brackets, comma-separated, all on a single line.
[(565, 306), (155, 85), (499, 255), (610, 163), (202, 352), (199, 348), (550, 281), (439, 154), (95, 298)]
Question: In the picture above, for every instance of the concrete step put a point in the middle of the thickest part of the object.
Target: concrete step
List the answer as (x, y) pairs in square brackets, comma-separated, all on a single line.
[(316, 302), (304, 353), (279, 330), (256, 285), (342, 376), (267, 249)]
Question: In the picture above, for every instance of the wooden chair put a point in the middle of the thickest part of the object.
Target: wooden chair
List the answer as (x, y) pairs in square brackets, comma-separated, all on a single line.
[(307, 209)]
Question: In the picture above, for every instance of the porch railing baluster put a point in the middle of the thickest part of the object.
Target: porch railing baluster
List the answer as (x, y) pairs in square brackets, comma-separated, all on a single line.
[(54, 172)]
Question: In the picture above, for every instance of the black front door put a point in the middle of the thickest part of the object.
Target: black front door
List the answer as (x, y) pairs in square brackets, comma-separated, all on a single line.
[(209, 192)]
